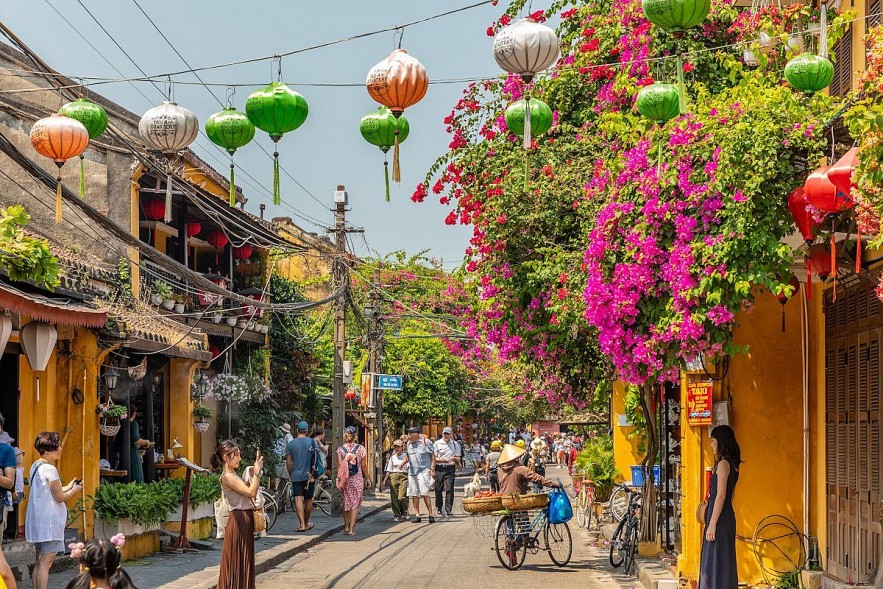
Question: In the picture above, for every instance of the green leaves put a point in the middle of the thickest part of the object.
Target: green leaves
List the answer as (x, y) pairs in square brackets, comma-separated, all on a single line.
[(23, 257)]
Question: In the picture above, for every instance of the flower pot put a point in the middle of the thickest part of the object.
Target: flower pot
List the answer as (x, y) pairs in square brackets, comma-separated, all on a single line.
[(156, 300), (242, 324), (168, 304), (179, 307), (109, 427), (265, 328), (201, 426), (217, 317), (231, 321)]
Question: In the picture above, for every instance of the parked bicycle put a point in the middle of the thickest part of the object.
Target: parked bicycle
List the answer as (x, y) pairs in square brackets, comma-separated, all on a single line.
[(516, 533), (584, 510), (624, 543), (619, 501), (322, 497)]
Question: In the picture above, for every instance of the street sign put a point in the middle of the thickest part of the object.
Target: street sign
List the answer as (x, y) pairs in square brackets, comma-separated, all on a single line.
[(389, 382)]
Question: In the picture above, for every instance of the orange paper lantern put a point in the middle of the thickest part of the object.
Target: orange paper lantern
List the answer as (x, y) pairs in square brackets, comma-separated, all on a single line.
[(59, 138)]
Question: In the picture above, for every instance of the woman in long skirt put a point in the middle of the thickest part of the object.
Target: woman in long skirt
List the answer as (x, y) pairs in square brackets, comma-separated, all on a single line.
[(354, 457), (237, 556), (717, 569)]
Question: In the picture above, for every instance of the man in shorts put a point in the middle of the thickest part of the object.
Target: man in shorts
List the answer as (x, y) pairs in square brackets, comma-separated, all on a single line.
[(301, 458), (421, 469)]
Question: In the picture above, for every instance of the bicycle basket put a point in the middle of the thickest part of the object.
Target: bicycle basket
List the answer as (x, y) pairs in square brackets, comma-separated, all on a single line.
[(483, 525), (522, 521), (516, 502)]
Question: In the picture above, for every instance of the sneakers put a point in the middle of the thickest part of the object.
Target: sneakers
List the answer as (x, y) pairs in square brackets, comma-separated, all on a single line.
[(431, 519), (416, 519), (449, 514)]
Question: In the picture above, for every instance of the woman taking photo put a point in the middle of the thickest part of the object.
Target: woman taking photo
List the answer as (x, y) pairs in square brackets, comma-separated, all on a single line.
[(237, 556), (354, 458), (717, 569), (47, 511)]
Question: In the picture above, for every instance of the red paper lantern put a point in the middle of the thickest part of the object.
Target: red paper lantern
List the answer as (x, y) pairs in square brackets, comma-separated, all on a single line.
[(217, 238), (154, 208), (795, 284), (823, 195), (193, 228), (243, 252), (819, 260), (802, 217), (350, 395), (215, 350), (840, 173)]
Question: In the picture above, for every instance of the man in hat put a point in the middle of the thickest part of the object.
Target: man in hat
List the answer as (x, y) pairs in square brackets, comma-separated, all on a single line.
[(447, 458), (279, 451), (301, 458), (421, 469), (490, 465), (515, 477)]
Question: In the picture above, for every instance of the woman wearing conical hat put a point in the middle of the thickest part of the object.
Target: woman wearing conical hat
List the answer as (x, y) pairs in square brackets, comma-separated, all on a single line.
[(515, 477)]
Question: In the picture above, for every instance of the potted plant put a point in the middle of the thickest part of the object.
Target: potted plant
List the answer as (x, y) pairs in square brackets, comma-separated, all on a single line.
[(231, 320), (110, 416), (162, 290), (242, 323), (179, 304), (217, 316), (201, 413)]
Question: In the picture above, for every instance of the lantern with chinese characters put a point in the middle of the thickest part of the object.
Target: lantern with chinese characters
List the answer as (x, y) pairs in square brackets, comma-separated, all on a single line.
[(526, 48), (397, 82), (809, 73), (168, 128), (381, 128), (94, 118), (207, 299), (659, 102), (797, 205), (59, 138), (231, 130), (250, 311), (276, 110), (784, 297)]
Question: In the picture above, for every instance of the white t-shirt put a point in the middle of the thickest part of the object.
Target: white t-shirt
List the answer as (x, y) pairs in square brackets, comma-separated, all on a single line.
[(446, 451), (46, 518), (396, 464)]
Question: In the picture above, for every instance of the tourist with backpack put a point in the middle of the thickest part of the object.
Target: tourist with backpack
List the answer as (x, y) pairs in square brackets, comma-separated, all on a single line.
[(421, 472), (301, 458), (352, 460)]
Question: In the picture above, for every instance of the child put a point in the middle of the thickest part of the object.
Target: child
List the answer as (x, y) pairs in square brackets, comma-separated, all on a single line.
[(100, 565)]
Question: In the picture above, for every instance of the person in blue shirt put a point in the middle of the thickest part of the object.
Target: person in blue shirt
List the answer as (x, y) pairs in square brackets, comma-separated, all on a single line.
[(301, 456), (8, 463)]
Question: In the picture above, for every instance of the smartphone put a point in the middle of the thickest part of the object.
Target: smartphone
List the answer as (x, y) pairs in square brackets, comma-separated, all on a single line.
[(78, 481)]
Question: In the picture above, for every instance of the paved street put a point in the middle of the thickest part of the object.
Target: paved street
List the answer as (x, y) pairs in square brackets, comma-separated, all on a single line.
[(448, 553)]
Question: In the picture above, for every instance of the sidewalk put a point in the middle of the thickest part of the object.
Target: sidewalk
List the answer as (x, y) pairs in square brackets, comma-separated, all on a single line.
[(200, 571), (649, 571)]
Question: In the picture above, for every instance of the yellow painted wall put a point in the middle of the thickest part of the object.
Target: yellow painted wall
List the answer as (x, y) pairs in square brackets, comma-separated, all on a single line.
[(180, 412), (625, 449), (766, 413)]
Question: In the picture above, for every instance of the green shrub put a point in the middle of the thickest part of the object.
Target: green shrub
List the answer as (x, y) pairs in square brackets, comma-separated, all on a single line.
[(145, 504), (598, 460)]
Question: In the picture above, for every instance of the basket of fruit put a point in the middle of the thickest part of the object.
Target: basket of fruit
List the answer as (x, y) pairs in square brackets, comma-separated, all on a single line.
[(483, 502), (516, 502)]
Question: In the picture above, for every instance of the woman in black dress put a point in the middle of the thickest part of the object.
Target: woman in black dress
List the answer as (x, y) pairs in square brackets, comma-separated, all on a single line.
[(718, 565)]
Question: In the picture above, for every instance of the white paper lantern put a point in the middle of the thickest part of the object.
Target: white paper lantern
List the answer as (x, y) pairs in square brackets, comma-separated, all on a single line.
[(38, 340), (5, 331), (526, 48)]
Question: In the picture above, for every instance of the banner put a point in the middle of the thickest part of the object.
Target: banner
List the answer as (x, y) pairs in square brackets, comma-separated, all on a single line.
[(699, 402)]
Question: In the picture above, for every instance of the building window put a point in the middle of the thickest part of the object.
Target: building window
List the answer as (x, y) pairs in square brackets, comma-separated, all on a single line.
[(842, 53)]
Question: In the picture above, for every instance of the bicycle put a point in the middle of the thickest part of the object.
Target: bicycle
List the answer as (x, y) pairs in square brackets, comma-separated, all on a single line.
[(322, 497), (624, 543), (619, 501), (586, 516), (515, 534)]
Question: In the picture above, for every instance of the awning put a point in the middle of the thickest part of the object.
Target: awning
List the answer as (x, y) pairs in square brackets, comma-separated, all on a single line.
[(586, 419), (51, 310), (143, 329)]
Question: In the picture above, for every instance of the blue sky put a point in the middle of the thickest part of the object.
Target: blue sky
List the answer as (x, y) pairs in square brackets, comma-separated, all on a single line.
[(328, 150)]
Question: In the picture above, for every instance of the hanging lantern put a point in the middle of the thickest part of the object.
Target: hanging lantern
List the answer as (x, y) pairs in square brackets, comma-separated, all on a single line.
[(276, 110), (38, 340), (540, 115), (749, 58), (193, 228), (154, 208), (94, 118), (217, 239), (380, 128), (659, 102), (784, 298), (243, 252), (802, 217), (823, 195), (819, 260), (675, 16), (254, 294), (59, 138), (215, 351), (350, 394), (168, 128), (526, 48), (207, 299), (840, 174), (399, 81), (231, 130), (809, 73)]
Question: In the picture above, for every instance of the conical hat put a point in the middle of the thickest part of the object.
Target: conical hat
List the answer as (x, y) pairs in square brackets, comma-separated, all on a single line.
[(510, 452)]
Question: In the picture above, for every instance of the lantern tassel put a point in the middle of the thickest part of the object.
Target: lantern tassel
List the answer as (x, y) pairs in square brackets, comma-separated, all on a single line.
[(386, 177), (526, 171), (277, 193), (858, 250), (82, 177), (834, 265), (659, 162), (808, 263), (167, 216), (396, 172), (232, 184), (682, 88), (527, 133), (58, 197)]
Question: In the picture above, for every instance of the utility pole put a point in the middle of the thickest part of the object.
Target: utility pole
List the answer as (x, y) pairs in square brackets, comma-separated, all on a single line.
[(339, 278), (375, 354)]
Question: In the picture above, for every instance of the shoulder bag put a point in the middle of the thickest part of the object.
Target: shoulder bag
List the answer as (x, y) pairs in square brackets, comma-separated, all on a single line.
[(701, 511), (260, 518), (222, 514)]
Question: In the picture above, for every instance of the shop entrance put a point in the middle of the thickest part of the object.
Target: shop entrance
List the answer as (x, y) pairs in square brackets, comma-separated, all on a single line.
[(853, 334), (9, 408)]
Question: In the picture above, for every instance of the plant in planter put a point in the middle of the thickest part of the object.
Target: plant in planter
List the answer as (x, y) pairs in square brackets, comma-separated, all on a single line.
[(231, 320), (201, 413), (110, 416), (162, 290), (179, 303), (144, 504)]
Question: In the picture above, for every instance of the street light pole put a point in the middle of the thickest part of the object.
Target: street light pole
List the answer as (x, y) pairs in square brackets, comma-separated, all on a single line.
[(339, 278), (375, 353)]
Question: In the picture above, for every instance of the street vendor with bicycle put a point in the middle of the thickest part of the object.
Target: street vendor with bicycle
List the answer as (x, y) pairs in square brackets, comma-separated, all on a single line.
[(514, 477)]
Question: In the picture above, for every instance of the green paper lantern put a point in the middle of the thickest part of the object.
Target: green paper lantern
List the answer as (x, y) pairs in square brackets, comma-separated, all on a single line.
[(276, 110), (91, 115), (659, 102), (94, 118), (540, 117), (231, 130), (809, 73), (379, 128), (676, 16)]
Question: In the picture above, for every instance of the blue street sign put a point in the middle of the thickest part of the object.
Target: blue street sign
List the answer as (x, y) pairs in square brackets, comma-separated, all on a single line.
[(389, 382)]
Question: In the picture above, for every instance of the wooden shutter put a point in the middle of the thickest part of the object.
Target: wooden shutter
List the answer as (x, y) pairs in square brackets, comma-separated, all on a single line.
[(872, 12), (842, 82)]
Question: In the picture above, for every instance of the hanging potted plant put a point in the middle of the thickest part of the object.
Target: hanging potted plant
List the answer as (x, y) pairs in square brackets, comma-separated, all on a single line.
[(201, 413), (110, 416), (162, 293), (179, 304)]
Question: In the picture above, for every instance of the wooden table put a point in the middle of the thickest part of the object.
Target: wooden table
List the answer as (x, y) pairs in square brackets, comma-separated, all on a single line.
[(166, 468), (110, 474)]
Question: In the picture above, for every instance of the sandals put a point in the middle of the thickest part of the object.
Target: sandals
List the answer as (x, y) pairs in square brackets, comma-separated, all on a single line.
[(306, 529)]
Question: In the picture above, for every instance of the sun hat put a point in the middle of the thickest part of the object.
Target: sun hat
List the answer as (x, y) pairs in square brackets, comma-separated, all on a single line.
[(521, 444), (413, 430), (286, 428), (303, 426), (536, 443), (398, 443), (496, 445), (349, 430), (510, 453), (447, 430)]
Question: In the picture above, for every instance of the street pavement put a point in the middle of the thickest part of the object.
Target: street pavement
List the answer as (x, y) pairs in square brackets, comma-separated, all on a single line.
[(451, 553)]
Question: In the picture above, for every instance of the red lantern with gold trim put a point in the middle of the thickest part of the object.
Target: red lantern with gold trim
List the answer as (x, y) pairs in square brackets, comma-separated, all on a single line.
[(802, 217)]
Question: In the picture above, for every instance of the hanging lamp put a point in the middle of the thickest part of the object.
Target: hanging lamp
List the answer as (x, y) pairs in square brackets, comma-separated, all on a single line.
[(809, 73), (168, 128), (398, 82), (540, 119), (276, 110), (94, 118), (59, 138), (381, 128), (230, 129), (660, 103), (803, 219)]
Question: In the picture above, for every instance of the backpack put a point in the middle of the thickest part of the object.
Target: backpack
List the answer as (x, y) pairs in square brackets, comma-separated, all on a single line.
[(320, 460), (353, 467)]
